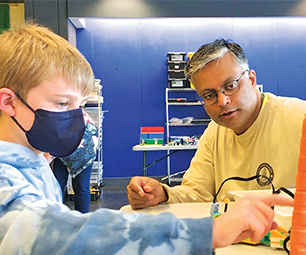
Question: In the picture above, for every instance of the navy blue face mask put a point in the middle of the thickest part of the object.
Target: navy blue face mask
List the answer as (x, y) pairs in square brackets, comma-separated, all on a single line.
[(58, 133)]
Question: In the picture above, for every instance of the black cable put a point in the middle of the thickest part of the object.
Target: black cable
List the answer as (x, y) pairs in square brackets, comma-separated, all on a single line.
[(237, 178), (156, 161), (288, 192)]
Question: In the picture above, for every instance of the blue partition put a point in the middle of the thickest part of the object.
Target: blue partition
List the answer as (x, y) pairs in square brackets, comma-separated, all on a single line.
[(130, 58)]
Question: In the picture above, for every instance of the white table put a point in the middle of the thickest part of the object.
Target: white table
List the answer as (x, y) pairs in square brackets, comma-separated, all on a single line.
[(173, 148), (198, 210)]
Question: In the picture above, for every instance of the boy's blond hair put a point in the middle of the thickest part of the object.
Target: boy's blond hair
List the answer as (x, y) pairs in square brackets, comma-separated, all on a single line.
[(32, 54)]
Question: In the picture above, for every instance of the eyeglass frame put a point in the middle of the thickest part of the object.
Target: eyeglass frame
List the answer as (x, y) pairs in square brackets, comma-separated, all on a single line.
[(223, 92)]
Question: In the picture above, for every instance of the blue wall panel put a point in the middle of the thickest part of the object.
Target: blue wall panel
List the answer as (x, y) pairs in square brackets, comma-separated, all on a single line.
[(130, 57), (258, 38), (114, 55), (292, 56), (201, 31)]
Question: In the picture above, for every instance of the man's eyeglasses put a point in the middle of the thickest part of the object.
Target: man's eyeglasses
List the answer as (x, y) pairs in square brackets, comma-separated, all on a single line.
[(229, 89)]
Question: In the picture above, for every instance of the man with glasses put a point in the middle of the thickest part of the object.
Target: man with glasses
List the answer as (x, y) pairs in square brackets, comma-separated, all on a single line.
[(251, 133)]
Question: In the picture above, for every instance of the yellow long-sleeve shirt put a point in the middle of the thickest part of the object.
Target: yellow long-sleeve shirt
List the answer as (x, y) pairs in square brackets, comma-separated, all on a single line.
[(269, 147)]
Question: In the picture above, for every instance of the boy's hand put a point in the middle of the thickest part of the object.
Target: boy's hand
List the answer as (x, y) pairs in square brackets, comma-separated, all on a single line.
[(251, 216)]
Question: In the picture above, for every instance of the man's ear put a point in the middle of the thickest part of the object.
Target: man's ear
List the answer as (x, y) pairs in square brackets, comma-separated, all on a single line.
[(7, 101), (252, 77)]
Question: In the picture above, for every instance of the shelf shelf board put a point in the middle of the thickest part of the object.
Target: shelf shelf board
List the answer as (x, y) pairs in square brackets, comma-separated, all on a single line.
[(181, 89), (195, 123), (164, 147), (184, 103)]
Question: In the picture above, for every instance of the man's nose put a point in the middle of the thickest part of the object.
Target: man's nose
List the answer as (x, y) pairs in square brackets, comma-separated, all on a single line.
[(222, 98)]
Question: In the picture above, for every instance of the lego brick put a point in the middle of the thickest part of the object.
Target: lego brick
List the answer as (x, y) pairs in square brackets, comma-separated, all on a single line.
[(152, 141), (156, 135), (151, 129), (144, 136)]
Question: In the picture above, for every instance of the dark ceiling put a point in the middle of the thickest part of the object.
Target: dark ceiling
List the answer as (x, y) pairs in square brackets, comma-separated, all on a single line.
[(11, 1)]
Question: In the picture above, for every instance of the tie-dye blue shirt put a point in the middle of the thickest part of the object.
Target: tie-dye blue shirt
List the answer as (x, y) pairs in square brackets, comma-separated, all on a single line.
[(34, 221)]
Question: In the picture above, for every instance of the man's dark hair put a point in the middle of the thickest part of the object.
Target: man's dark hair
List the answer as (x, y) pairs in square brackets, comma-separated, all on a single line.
[(212, 51)]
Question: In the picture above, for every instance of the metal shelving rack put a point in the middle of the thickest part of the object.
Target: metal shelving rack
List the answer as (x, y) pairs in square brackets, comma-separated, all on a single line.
[(94, 109), (168, 124), (200, 122)]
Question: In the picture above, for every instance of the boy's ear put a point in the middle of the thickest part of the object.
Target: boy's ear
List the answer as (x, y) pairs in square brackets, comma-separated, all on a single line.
[(7, 101)]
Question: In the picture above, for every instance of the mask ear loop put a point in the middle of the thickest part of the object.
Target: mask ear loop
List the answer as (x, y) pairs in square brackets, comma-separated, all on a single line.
[(27, 105), (24, 102), (13, 118)]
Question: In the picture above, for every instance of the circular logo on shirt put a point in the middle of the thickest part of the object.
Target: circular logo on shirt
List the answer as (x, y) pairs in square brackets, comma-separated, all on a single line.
[(265, 170)]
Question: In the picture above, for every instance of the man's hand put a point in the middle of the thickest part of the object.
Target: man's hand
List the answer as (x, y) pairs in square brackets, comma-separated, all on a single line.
[(144, 192), (251, 216)]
